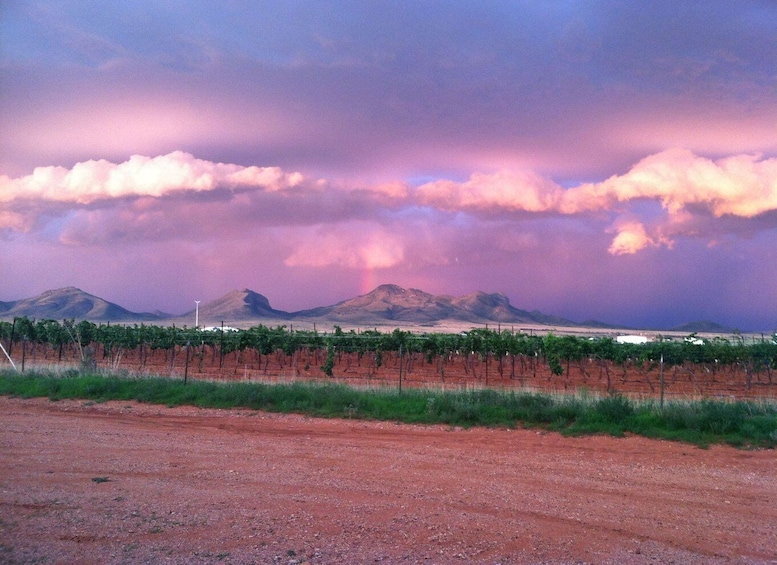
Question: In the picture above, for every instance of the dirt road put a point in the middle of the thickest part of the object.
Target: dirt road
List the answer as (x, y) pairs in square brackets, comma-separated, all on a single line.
[(131, 483)]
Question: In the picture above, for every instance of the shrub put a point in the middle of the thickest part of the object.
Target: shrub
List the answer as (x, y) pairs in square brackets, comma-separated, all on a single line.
[(614, 409)]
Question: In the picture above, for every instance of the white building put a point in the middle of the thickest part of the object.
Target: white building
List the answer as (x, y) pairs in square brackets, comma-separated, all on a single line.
[(635, 339)]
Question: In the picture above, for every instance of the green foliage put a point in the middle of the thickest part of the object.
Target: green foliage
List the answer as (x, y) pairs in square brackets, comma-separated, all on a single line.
[(550, 352), (329, 363), (614, 408), (701, 423), (556, 351)]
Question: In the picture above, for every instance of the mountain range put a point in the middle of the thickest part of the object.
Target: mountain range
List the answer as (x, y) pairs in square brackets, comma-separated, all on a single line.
[(386, 304)]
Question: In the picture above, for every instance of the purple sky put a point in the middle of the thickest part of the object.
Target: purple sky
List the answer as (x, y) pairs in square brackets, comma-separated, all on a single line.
[(594, 160)]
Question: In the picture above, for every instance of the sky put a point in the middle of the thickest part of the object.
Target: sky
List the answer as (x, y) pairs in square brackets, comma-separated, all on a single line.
[(607, 160)]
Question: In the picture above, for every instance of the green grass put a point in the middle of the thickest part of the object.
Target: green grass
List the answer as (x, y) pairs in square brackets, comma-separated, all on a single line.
[(705, 422)]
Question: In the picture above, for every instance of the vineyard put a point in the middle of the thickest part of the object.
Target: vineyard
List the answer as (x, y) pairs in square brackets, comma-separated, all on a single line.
[(477, 358)]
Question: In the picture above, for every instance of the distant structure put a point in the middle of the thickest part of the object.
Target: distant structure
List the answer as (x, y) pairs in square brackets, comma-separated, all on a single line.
[(635, 339)]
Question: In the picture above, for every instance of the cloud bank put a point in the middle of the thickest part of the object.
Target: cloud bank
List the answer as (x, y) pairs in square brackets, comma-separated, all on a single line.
[(162, 197)]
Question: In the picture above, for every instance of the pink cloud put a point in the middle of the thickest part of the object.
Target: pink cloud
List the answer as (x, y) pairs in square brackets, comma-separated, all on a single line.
[(631, 238), (177, 196), (392, 190), (355, 246), (15, 222), (740, 185), (523, 191), (91, 181), (683, 184)]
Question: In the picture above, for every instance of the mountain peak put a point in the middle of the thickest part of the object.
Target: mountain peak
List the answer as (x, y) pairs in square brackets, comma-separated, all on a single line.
[(387, 290), (64, 291), (389, 302), (71, 302), (244, 304)]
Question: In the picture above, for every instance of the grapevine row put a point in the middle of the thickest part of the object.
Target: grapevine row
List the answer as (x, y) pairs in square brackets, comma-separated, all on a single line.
[(557, 351)]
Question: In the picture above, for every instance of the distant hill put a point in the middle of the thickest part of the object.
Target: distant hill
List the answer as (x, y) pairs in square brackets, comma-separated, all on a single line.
[(71, 302), (703, 326), (386, 304), (390, 302), (496, 307), (238, 305), (601, 325)]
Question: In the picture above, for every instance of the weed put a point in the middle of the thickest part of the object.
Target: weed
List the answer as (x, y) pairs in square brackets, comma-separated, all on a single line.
[(702, 422), (614, 408)]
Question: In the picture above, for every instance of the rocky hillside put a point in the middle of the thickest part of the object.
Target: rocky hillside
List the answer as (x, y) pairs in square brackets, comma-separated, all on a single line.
[(390, 302), (71, 302)]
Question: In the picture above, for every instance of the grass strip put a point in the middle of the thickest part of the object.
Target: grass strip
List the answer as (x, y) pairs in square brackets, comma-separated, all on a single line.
[(705, 422)]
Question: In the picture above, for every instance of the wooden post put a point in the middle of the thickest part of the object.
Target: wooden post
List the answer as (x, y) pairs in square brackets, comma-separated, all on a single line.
[(662, 381), (221, 346), (10, 341), (186, 365), (400, 368)]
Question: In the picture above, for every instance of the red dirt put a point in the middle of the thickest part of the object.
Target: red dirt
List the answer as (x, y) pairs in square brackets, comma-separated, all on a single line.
[(130, 483), (455, 371)]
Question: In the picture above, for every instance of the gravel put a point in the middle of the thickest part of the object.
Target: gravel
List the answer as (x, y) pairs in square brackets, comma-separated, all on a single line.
[(122, 482)]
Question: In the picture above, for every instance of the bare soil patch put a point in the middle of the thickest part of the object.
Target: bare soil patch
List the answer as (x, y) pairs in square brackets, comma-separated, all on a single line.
[(130, 483)]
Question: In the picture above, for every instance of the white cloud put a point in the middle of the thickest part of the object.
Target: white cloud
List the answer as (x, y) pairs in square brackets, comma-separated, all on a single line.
[(696, 196), (631, 238), (740, 185), (92, 181), (522, 191), (685, 185)]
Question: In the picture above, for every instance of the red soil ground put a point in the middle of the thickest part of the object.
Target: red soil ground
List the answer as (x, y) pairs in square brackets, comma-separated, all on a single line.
[(129, 483)]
